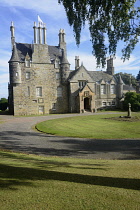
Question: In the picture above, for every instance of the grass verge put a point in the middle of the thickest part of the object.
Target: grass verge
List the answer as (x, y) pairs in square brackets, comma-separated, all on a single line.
[(93, 126), (34, 182)]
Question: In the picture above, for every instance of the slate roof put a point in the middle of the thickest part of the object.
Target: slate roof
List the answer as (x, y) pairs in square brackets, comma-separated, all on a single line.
[(100, 75), (128, 88), (54, 51), (97, 76), (24, 48)]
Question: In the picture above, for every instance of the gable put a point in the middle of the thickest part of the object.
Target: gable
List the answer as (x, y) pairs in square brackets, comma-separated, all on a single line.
[(86, 88), (81, 74)]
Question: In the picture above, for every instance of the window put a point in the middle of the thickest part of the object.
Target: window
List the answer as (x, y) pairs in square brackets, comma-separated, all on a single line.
[(104, 103), (27, 75), (54, 106), (39, 91), (57, 75), (112, 89), (27, 63), (41, 109), (16, 74), (113, 103), (59, 92), (82, 84), (103, 89), (56, 63), (108, 103), (28, 91)]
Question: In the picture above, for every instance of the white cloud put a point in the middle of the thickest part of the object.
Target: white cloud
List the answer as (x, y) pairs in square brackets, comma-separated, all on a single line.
[(50, 7), (88, 60), (130, 65)]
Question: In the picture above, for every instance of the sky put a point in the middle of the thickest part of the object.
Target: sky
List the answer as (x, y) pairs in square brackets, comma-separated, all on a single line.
[(24, 13)]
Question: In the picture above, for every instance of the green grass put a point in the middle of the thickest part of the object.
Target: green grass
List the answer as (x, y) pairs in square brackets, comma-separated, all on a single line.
[(34, 182), (93, 126)]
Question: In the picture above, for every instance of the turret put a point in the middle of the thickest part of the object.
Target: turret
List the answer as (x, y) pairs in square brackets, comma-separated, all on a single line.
[(110, 68), (120, 87), (62, 43), (65, 67), (14, 67)]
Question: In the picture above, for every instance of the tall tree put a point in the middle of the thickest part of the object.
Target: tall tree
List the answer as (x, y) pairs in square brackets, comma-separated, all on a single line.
[(115, 19)]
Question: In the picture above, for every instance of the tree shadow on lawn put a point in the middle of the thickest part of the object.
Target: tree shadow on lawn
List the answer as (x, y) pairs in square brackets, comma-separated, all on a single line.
[(22, 176), (48, 145)]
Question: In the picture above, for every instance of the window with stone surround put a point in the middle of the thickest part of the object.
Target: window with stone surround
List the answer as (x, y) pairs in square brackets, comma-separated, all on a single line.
[(103, 103), (27, 75), (28, 91), (82, 83), (59, 92), (112, 89), (113, 103), (54, 106), (39, 91), (27, 63), (57, 75), (103, 89)]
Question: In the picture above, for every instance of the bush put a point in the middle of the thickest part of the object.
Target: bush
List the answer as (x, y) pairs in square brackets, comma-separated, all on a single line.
[(3, 104)]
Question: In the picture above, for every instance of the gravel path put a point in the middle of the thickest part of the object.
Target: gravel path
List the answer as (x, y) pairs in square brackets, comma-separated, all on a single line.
[(17, 134)]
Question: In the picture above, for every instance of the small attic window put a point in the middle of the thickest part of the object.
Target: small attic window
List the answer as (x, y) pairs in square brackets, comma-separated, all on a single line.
[(82, 83), (57, 64), (27, 61)]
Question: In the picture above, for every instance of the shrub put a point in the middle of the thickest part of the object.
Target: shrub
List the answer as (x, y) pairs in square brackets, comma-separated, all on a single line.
[(3, 104)]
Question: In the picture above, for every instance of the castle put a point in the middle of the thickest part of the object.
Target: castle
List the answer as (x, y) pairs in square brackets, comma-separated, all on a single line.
[(41, 81)]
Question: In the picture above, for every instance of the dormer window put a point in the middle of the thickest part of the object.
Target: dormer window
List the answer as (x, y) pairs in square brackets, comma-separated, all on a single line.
[(56, 63), (27, 63), (82, 83)]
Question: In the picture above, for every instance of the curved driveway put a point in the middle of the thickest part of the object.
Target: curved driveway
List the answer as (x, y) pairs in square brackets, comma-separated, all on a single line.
[(17, 134)]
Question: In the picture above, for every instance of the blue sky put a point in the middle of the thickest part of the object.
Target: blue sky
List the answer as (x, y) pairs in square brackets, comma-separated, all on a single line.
[(23, 13)]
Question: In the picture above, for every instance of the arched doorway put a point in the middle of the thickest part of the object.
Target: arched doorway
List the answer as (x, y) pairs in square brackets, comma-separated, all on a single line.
[(87, 104)]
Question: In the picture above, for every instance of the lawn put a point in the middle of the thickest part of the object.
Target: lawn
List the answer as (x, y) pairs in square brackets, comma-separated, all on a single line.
[(94, 126), (35, 182)]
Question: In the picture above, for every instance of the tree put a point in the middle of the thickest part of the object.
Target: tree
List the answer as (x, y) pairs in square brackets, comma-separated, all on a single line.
[(3, 104), (128, 79), (134, 99), (115, 19)]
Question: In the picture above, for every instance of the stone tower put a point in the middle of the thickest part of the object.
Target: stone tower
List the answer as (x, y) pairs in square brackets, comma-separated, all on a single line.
[(120, 87), (110, 68), (65, 67)]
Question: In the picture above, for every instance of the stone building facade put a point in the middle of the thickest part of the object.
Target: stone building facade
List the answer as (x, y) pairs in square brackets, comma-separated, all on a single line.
[(41, 81)]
